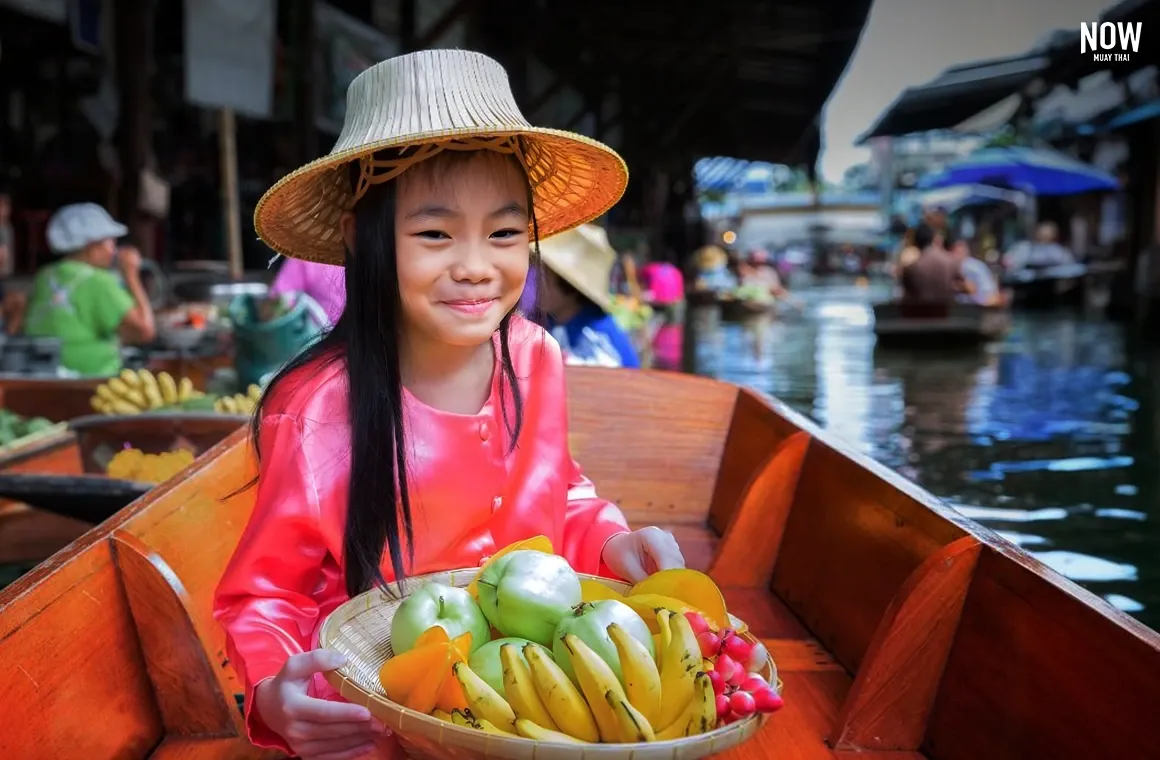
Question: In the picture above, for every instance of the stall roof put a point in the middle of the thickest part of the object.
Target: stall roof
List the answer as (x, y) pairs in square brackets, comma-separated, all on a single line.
[(746, 78), (957, 94)]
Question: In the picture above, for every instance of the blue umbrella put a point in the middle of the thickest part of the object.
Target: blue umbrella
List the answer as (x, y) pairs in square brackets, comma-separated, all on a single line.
[(1035, 170)]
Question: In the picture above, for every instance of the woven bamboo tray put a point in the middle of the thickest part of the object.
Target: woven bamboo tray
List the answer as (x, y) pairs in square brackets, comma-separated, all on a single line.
[(361, 630)]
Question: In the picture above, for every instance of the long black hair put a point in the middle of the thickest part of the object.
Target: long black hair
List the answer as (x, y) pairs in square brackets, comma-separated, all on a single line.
[(366, 338)]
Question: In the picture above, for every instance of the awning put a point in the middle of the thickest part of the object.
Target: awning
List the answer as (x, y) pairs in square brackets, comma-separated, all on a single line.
[(956, 95)]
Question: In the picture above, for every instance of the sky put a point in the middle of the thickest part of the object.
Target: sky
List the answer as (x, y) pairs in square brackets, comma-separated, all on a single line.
[(910, 42)]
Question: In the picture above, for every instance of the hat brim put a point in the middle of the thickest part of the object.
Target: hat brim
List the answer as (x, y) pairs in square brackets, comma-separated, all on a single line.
[(575, 179)]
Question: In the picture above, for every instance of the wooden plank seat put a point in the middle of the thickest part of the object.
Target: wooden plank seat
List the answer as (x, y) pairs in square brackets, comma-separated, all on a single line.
[(901, 629)]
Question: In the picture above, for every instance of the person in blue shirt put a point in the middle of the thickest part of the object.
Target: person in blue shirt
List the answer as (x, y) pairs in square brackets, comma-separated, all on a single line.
[(575, 297)]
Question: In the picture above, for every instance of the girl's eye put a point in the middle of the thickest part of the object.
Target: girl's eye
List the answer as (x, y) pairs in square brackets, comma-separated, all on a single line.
[(505, 234), (434, 235)]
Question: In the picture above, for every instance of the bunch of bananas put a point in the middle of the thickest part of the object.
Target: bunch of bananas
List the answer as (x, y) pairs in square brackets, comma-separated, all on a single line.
[(239, 403), (134, 464), (141, 391), (541, 702)]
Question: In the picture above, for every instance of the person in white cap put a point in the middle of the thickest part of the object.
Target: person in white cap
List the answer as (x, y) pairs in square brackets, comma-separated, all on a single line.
[(78, 300), (429, 428)]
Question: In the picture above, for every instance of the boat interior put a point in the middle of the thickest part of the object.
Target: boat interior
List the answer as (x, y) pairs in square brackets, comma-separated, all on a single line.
[(901, 629)]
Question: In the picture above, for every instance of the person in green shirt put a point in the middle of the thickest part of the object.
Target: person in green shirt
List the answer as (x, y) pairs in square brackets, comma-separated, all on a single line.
[(80, 301)]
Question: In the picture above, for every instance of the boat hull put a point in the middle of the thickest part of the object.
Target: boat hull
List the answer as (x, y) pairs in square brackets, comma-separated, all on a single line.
[(939, 325), (900, 628)]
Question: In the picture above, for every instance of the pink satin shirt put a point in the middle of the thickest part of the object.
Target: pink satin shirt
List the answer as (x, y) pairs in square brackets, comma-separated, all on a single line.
[(469, 497)]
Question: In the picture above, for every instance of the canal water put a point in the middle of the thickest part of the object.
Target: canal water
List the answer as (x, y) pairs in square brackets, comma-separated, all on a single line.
[(1051, 438)]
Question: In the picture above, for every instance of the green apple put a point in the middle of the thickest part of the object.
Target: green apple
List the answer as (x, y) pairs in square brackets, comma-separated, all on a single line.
[(526, 593), (487, 665), (590, 621), (449, 607)]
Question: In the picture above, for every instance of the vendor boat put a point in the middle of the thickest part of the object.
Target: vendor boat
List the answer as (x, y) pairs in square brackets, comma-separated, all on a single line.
[(901, 629), (899, 323)]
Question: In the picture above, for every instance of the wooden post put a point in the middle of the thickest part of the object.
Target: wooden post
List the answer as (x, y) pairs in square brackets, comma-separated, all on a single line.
[(305, 102), (227, 134), (133, 36)]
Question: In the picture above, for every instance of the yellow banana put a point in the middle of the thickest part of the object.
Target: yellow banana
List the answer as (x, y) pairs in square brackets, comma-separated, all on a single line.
[(168, 387), (485, 725), (227, 405), (595, 678), (530, 730), (484, 701), (131, 379), (460, 718), (136, 398), (150, 389), (254, 392), (633, 726), (105, 392), (560, 696), (665, 635), (441, 715), (699, 717), (642, 680), (121, 406), (117, 386), (520, 690), (679, 668), (185, 389)]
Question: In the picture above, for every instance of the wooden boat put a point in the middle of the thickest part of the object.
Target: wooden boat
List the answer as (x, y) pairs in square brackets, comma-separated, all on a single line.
[(1047, 287), (939, 324), (901, 629)]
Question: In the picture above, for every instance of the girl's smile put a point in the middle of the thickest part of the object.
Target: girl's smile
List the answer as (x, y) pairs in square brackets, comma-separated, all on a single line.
[(474, 308)]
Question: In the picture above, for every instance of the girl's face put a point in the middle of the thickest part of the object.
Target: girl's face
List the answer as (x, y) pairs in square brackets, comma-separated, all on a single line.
[(461, 236)]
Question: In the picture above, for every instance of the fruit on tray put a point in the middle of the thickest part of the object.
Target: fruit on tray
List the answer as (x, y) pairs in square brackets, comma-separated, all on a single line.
[(135, 465), (691, 587), (645, 667), (13, 427), (136, 391), (590, 621), (486, 661), (239, 403), (421, 678), (536, 543), (437, 604), (526, 593), (595, 591)]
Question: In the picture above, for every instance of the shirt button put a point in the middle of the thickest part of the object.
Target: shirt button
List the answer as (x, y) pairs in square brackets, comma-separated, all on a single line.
[(484, 431), (497, 502)]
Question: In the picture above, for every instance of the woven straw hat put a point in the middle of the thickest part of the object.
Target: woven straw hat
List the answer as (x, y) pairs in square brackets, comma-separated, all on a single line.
[(424, 103), (583, 258)]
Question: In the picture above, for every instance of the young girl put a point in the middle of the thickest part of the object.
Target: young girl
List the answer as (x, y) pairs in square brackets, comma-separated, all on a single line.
[(429, 427)]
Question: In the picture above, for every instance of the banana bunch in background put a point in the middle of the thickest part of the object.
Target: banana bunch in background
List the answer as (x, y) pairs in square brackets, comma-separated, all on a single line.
[(540, 702), (239, 403), (133, 392)]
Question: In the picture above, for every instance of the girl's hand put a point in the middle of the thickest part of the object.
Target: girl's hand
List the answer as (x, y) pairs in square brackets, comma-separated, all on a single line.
[(316, 729), (637, 555)]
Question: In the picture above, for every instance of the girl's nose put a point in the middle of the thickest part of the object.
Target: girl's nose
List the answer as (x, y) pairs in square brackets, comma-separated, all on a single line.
[(473, 265)]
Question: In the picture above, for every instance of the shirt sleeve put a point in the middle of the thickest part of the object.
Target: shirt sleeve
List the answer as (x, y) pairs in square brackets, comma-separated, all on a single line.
[(107, 304), (621, 342), (264, 600), (589, 521)]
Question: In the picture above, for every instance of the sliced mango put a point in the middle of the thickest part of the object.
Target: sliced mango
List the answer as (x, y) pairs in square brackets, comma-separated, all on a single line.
[(595, 591), (421, 679), (646, 606), (535, 543), (413, 678), (694, 588)]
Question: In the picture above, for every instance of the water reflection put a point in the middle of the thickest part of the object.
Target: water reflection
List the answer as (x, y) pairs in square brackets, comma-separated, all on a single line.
[(1050, 438)]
